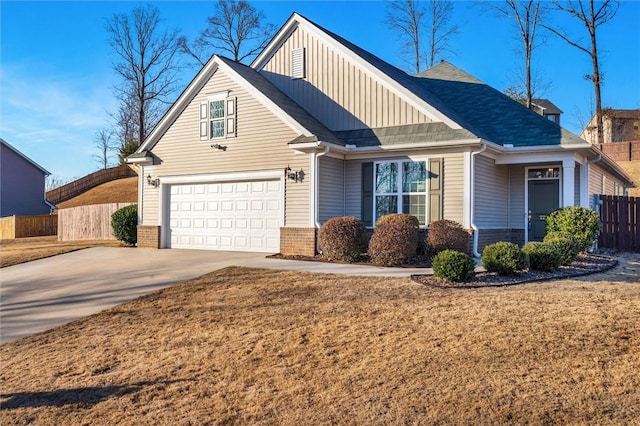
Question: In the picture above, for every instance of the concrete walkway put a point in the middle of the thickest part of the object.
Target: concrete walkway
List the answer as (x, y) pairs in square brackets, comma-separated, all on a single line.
[(45, 293)]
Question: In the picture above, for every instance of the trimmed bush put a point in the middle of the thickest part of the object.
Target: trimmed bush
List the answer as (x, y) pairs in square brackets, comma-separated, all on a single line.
[(504, 258), (564, 244), (447, 234), (343, 238), (396, 240), (582, 223), (125, 224), (542, 256), (453, 266)]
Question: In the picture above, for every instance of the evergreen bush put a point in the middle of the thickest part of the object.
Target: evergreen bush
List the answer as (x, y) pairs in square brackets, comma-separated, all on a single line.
[(580, 222), (504, 258), (447, 234), (542, 256), (454, 266), (125, 224)]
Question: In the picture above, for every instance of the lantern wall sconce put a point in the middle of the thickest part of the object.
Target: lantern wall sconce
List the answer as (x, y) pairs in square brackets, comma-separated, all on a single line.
[(153, 182), (219, 147), (294, 175)]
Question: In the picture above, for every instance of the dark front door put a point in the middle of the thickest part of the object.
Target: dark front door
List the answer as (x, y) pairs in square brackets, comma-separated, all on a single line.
[(543, 199)]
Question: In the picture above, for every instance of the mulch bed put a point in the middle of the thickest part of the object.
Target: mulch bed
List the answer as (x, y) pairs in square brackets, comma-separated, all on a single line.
[(585, 264), (415, 262)]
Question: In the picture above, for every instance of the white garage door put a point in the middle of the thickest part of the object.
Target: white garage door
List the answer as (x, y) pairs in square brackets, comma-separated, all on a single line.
[(240, 216)]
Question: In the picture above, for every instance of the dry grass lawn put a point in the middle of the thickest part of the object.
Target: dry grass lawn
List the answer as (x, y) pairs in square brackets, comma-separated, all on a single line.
[(250, 346), (20, 250), (117, 191)]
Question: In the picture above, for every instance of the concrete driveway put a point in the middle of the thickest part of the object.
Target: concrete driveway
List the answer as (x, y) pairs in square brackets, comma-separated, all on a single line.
[(45, 293)]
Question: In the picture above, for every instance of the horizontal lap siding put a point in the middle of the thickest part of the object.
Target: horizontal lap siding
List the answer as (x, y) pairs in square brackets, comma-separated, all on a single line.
[(453, 184), (491, 194), (336, 91), (261, 144), (331, 194), (595, 184)]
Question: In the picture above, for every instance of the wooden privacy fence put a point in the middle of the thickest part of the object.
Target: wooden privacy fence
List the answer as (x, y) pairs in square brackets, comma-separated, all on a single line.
[(77, 187), (28, 226), (622, 151), (620, 218), (87, 222)]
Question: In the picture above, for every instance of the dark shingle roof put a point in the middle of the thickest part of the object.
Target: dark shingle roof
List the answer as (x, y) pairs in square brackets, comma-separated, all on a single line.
[(491, 114), (408, 134), (547, 106)]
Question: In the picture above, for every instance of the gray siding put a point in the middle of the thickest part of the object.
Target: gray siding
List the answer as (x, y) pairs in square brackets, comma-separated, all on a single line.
[(332, 188), (491, 194), (21, 186), (337, 91), (261, 144)]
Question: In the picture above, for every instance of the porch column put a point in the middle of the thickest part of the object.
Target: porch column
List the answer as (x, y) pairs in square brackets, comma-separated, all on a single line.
[(568, 182)]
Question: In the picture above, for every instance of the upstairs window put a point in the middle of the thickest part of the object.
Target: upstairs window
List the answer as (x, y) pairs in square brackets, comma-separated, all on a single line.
[(218, 117)]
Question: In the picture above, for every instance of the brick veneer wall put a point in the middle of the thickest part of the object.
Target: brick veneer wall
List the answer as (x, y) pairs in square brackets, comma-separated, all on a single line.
[(148, 236), (300, 241)]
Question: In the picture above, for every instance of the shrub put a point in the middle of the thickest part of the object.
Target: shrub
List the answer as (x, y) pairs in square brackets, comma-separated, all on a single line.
[(564, 244), (582, 223), (447, 234), (453, 266), (343, 238), (125, 224), (403, 218), (394, 241), (504, 258), (542, 256)]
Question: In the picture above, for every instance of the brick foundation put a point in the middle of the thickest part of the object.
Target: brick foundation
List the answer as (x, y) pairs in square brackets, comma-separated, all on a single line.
[(301, 241), (148, 236)]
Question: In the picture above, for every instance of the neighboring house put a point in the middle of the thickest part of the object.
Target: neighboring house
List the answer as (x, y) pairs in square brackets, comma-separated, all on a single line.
[(618, 125), (256, 158), (547, 109), (22, 183)]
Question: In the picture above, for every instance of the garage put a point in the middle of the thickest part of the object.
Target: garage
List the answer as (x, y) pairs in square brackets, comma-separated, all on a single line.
[(235, 216)]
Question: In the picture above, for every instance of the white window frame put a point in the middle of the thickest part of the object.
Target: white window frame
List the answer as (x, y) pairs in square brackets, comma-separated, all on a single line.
[(399, 190), (228, 119)]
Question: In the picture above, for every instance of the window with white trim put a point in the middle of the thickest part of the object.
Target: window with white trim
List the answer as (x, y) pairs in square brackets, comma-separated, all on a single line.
[(401, 187), (218, 117)]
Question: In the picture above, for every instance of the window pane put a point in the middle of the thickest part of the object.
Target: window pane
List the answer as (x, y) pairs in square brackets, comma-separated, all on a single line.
[(415, 205), (386, 204), (216, 109), (414, 176), (386, 178), (217, 128)]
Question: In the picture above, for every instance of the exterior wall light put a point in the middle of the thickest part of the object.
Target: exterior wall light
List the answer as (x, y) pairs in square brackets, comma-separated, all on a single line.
[(294, 176), (153, 182)]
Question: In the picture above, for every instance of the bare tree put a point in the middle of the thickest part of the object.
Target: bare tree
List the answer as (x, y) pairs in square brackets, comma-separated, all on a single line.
[(592, 16), (146, 62), (55, 181), (105, 146), (439, 13), (236, 28), (526, 15), (413, 19)]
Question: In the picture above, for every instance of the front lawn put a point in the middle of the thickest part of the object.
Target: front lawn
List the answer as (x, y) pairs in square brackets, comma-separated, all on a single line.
[(247, 346)]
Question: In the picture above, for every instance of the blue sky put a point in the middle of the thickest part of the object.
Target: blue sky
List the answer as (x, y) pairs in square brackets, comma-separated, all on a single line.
[(56, 81)]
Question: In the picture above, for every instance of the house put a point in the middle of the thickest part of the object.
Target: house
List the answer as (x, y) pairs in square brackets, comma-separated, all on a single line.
[(21, 184), (256, 158), (618, 125), (547, 109)]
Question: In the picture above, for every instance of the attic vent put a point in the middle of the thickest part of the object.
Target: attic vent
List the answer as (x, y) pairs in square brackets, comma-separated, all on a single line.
[(297, 63)]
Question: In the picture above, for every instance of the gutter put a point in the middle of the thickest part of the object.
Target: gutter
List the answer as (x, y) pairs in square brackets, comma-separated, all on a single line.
[(472, 201)]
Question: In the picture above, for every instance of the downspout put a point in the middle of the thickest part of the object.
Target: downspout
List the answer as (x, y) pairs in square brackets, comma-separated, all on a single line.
[(472, 179), (316, 190)]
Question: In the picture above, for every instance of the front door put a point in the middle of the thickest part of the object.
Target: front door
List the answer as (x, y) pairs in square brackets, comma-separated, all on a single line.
[(544, 198)]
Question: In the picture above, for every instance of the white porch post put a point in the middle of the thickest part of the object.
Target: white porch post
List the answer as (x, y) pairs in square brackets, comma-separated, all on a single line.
[(568, 182), (584, 184)]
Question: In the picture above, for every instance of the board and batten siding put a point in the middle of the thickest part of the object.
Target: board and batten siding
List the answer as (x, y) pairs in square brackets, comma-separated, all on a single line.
[(331, 195), (335, 90), (491, 194), (260, 144), (453, 184)]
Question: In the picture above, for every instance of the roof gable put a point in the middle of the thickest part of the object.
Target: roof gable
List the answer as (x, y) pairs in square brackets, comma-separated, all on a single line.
[(256, 85), (393, 78), (24, 157)]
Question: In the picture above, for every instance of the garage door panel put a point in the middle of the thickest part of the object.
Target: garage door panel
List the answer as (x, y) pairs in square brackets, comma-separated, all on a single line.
[(243, 216)]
